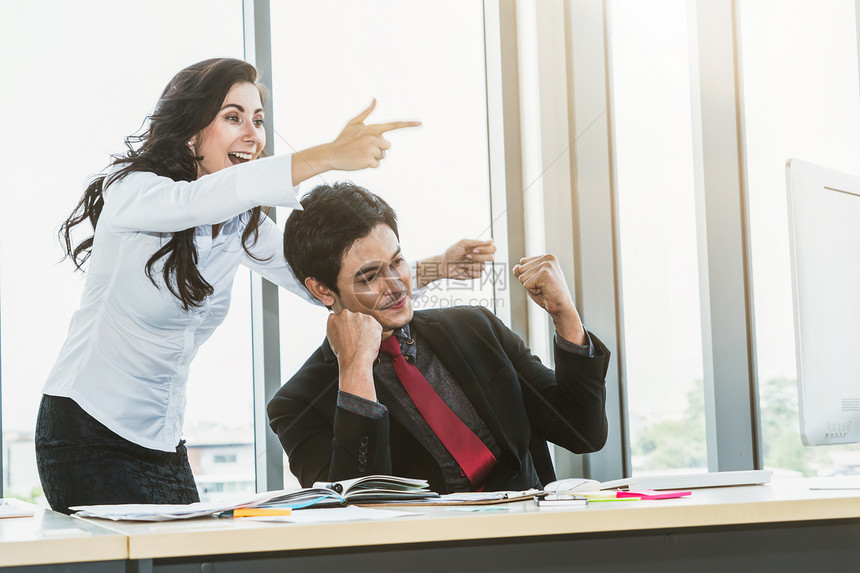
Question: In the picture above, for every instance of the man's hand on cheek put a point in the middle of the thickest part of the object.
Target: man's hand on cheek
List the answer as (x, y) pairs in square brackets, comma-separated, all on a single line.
[(353, 336)]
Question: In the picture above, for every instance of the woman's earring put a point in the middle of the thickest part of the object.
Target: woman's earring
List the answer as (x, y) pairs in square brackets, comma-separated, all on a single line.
[(189, 143)]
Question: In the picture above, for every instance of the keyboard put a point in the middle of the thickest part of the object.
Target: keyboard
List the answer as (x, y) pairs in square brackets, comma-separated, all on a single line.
[(692, 480)]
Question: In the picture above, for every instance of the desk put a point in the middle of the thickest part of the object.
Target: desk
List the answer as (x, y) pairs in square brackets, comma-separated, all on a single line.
[(779, 527), (39, 543)]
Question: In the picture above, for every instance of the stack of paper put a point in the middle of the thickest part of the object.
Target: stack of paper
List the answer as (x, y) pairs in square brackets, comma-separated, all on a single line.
[(167, 512), (333, 514), (365, 489), (467, 498), (15, 508)]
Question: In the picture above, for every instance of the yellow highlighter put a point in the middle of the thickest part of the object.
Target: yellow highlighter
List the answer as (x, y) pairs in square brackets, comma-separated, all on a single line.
[(261, 511)]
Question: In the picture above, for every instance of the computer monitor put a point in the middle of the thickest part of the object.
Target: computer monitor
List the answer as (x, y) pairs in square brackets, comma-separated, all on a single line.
[(824, 231)]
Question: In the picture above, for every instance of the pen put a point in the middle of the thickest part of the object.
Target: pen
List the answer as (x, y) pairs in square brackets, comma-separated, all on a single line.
[(260, 511)]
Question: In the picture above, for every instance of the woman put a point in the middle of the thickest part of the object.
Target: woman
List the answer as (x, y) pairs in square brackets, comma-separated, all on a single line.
[(173, 219)]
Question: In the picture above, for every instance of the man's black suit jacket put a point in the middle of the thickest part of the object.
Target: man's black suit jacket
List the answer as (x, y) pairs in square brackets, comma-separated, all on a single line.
[(517, 397)]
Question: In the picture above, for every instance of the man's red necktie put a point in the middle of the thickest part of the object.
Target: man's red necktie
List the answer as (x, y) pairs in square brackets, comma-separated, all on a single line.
[(475, 459)]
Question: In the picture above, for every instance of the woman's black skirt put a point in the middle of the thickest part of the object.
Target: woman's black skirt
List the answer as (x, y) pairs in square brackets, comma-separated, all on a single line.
[(81, 462)]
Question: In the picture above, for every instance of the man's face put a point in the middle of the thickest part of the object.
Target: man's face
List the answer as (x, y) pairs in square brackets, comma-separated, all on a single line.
[(374, 279)]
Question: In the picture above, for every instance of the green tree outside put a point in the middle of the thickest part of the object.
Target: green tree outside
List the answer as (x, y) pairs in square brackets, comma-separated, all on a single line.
[(681, 443)]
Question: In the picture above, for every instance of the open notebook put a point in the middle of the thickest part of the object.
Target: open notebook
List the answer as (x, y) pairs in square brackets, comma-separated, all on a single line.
[(335, 494)]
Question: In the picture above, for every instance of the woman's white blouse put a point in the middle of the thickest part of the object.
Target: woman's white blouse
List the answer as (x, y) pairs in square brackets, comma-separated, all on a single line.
[(126, 358)]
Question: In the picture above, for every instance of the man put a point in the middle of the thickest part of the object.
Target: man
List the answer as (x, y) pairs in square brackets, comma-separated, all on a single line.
[(452, 395)]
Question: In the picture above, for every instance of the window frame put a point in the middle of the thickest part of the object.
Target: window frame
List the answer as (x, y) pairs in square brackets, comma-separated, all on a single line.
[(733, 428)]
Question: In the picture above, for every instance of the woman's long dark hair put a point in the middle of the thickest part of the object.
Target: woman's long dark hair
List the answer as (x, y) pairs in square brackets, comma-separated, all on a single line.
[(189, 103)]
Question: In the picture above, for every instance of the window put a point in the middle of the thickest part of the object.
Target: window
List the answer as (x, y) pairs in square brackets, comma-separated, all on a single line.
[(435, 176), (85, 77), (800, 85), (660, 288), (83, 86)]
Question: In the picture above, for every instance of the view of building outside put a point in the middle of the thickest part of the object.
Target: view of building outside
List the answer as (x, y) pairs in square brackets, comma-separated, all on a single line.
[(800, 88), (659, 264)]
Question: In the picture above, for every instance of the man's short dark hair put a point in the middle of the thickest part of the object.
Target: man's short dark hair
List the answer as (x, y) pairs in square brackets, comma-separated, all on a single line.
[(334, 217)]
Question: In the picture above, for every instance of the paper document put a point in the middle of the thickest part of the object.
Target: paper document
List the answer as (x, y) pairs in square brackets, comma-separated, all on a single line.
[(369, 488), (334, 514), (465, 498), (665, 481), (16, 508)]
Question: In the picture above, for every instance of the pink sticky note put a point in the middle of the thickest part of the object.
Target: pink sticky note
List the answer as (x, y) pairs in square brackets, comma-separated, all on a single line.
[(651, 494)]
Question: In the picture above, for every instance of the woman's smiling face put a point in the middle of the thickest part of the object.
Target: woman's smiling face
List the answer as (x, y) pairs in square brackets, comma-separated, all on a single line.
[(236, 135)]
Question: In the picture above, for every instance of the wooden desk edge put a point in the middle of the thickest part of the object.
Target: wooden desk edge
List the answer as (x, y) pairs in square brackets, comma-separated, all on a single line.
[(72, 549), (463, 528)]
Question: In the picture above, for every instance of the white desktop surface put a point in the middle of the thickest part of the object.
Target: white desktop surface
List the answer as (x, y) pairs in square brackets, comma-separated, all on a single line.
[(778, 502), (50, 537)]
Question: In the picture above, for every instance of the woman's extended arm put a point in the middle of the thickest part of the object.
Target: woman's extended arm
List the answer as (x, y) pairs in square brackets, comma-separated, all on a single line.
[(143, 201), (147, 202)]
